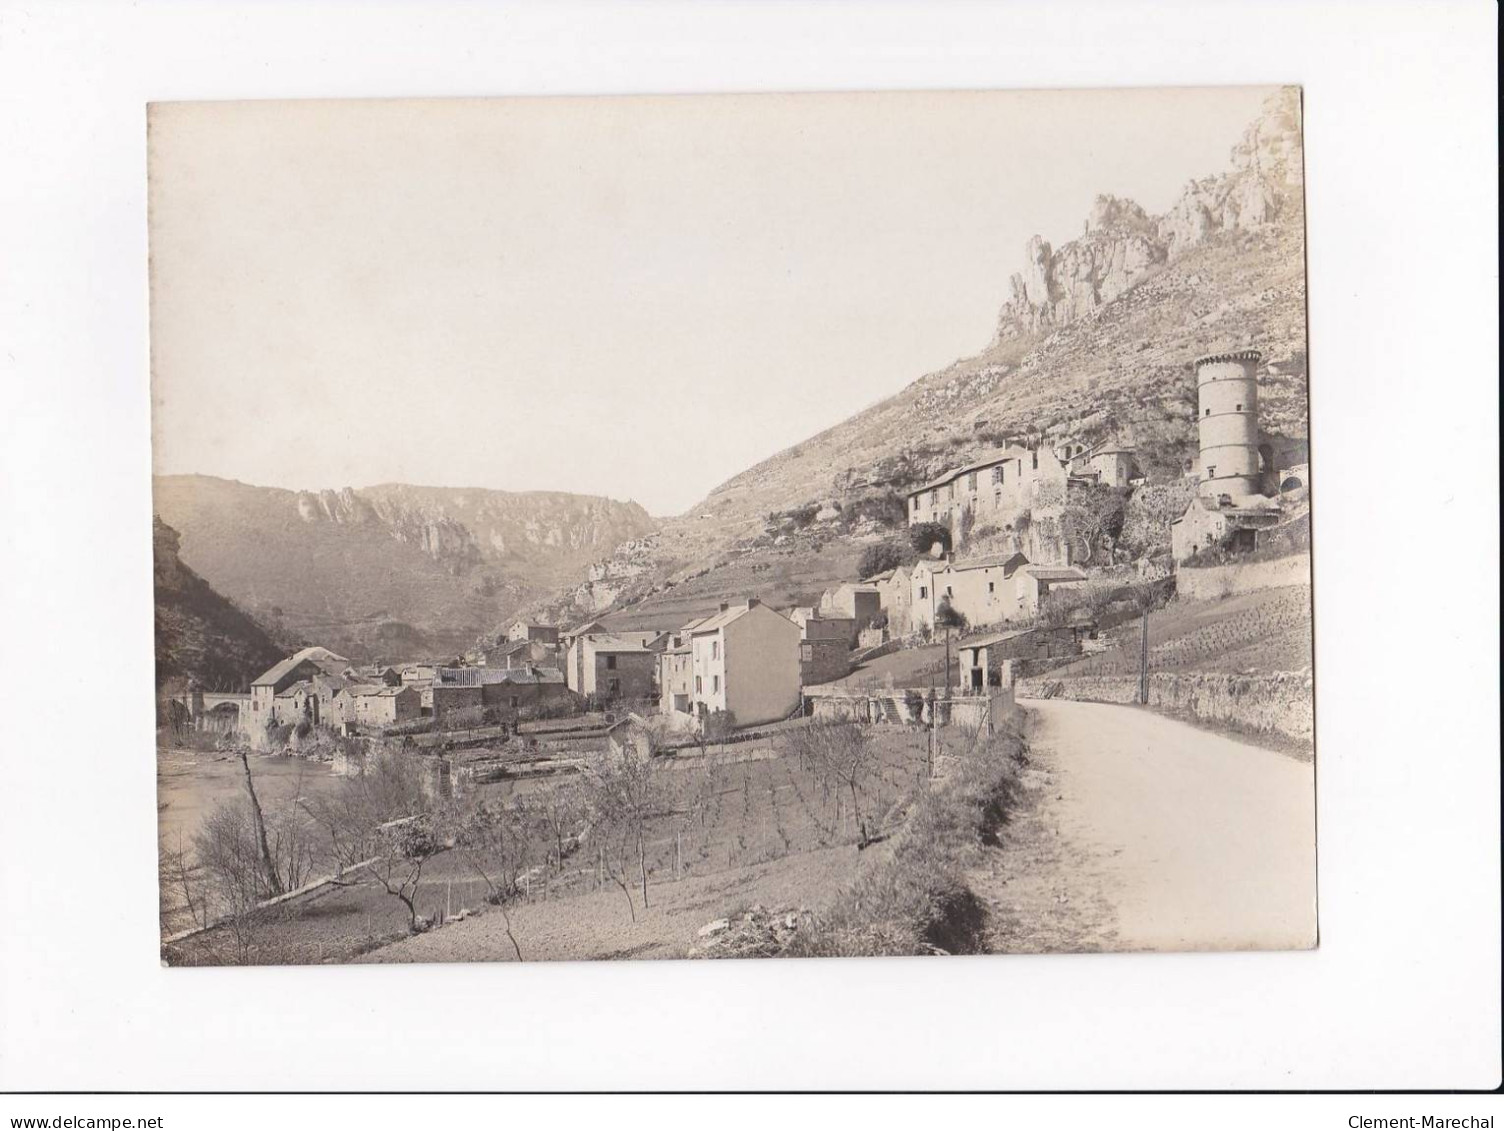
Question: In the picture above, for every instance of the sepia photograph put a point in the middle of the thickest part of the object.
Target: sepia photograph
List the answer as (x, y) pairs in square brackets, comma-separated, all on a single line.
[(573, 539), (513, 510)]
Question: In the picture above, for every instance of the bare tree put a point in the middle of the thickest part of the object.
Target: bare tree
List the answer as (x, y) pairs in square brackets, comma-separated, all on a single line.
[(625, 794), (226, 847), (383, 824), (268, 867), (838, 754)]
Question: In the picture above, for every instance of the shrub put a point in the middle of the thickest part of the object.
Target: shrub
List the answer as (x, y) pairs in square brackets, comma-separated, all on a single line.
[(923, 535), (879, 558), (719, 724), (918, 901)]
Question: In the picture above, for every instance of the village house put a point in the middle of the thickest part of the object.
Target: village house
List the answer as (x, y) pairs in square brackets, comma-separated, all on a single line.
[(894, 598), (857, 600), (445, 700), (272, 701), (522, 654), (510, 689), (373, 673), (745, 660), (381, 705), (814, 625), (614, 665), (531, 630), (981, 590), (982, 658), (989, 590), (1211, 522), (995, 491), (676, 671), (1033, 583), (821, 661)]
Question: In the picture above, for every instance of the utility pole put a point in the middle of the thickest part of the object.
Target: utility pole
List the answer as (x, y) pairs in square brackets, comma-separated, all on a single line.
[(1143, 661)]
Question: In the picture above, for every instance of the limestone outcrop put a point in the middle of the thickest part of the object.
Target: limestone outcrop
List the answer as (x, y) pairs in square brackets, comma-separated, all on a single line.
[(1122, 245)]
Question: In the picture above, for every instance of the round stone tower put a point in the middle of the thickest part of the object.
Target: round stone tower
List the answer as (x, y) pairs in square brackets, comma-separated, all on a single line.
[(1227, 415)]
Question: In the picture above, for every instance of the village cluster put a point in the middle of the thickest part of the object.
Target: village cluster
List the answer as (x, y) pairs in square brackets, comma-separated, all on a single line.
[(748, 664)]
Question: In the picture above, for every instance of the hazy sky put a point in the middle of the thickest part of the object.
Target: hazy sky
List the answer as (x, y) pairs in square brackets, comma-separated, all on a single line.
[(634, 297)]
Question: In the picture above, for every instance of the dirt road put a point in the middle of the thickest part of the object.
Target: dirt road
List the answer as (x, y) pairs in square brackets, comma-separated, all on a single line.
[(1174, 837)]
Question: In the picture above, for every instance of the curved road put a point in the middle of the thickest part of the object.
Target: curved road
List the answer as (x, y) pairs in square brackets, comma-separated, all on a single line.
[(1195, 841)]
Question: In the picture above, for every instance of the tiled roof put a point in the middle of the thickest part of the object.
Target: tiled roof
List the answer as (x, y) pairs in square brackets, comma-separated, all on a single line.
[(990, 461), (321, 658), (1047, 573), (623, 642)]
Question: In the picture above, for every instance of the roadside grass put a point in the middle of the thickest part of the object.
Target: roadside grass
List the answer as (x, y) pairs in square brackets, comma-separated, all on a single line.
[(916, 899)]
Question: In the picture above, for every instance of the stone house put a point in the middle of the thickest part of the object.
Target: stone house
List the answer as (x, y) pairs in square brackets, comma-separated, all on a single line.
[(676, 675), (522, 654), (381, 705), (821, 661), (620, 665), (814, 625), (858, 600), (995, 491), (1032, 584), (531, 630), (448, 699), (894, 598), (982, 658), (746, 660), (1208, 522), (521, 688), (269, 702), (981, 590)]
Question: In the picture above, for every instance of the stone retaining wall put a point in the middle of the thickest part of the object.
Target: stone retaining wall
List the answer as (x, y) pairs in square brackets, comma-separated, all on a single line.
[(1280, 704), (1212, 582)]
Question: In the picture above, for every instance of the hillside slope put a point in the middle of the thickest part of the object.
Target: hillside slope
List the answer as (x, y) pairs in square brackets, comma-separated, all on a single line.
[(200, 635), (389, 571), (1095, 341)]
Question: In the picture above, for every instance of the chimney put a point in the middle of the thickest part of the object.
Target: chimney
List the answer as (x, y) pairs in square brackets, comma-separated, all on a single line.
[(753, 602), (725, 606)]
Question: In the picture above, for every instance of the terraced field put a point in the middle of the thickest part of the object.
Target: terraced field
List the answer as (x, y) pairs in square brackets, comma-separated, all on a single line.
[(1268, 630)]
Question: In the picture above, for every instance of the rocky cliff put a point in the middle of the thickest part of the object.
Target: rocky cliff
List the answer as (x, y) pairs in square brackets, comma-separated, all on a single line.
[(1122, 245), (1094, 341), (394, 570), (199, 634)]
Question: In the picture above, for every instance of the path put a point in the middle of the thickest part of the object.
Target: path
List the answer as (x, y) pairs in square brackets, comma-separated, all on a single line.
[(1156, 835)]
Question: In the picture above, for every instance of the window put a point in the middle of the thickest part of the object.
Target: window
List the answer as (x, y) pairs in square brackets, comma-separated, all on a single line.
[(923, 592), (947, 591), (997, 498), (715, 684), (1211, 473), (1208, 412), (971, 482), (934, 496), (915, 501), (1240, 408), (516, 702), (614, 686), (699, 685), (807, 652), (997, 474), (991, 587), (715, 649), (610, 663), (1035, 455)]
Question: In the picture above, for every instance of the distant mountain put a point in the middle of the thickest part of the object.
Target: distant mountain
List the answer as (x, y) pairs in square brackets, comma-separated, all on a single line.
[(200, 635), (1094, 342), (391, 571)]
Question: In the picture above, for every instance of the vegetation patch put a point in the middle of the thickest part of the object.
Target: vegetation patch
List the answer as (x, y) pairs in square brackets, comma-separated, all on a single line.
[(917, 899)]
